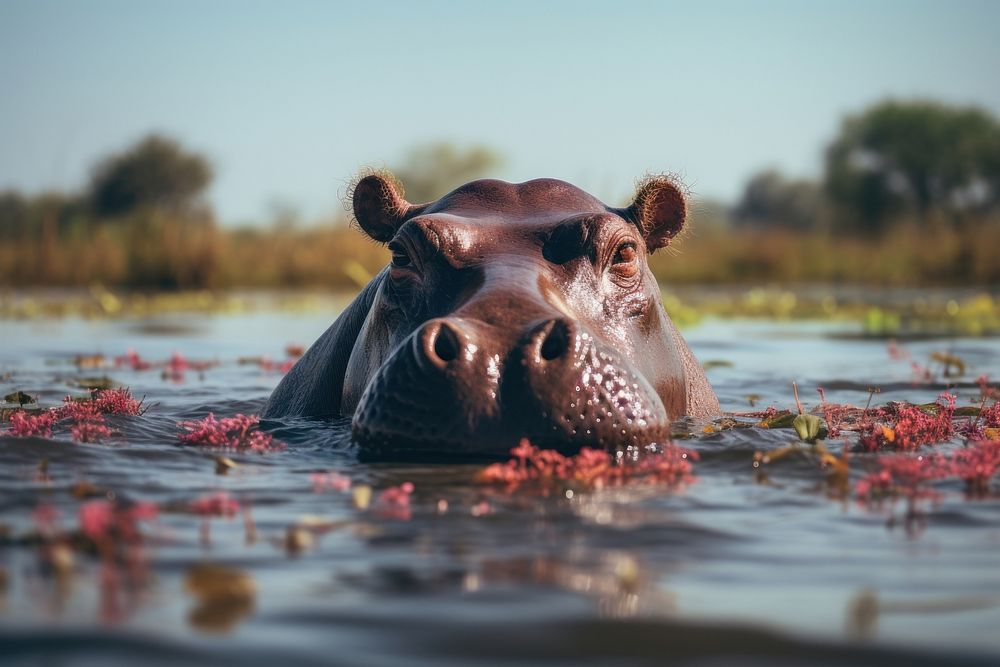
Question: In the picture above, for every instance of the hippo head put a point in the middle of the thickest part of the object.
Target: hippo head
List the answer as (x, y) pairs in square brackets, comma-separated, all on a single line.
[(512, 311)]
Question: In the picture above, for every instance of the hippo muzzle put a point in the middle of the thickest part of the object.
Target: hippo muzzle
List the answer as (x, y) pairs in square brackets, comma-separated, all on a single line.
[(449, 389)]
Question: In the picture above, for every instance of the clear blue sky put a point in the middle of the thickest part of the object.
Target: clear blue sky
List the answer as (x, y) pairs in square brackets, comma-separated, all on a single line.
[(289, 99)]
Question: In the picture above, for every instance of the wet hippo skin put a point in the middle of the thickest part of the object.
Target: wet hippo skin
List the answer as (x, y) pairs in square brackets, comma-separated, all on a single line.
[(507, 311)]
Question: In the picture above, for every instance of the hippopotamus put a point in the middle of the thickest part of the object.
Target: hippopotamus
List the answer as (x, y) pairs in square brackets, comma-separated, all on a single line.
[(508, 311)]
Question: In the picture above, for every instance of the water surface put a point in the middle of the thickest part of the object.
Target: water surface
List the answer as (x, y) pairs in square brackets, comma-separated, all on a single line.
[(736, 568)]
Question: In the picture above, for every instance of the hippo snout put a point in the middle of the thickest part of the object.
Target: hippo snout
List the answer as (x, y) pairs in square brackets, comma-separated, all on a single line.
[(458, 386), (580, 392)]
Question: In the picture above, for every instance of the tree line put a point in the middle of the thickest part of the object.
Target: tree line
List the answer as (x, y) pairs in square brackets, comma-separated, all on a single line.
[(898, 167), (898, 161)]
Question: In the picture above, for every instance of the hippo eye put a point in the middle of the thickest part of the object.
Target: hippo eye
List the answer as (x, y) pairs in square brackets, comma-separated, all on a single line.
[(626, 254), (400, 258), (625, 263)]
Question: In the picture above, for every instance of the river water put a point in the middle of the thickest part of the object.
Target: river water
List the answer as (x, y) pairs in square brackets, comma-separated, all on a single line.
[(737, 567)]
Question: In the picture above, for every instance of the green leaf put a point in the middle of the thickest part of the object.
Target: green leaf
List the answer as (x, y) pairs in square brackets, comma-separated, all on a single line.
[(783, 419), (807, 427)]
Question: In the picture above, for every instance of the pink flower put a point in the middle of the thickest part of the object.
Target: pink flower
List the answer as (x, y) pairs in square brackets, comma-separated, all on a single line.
[(277, 366), (896, 352), (397, 495), (332, 480), (902, 475), (24, 424), (89, 431), (977, 464), (143, 511), (177, 363), (593, 468), (105, 520), (82, 410), (394, 502), (101, 402), (524, 450), (239, 432), (921, 374), (215, 504), (96, 518), (909, 426), (45, 517), (990, 416), (985, 389), (117, 402), (132, 359)]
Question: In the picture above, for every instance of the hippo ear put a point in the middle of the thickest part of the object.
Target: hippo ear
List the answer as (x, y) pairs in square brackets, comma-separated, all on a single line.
[(379, 206), (659, 211)]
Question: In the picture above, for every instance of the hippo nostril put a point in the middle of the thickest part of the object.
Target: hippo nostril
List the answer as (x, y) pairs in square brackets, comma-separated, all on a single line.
[(446, 345), (556, 342)]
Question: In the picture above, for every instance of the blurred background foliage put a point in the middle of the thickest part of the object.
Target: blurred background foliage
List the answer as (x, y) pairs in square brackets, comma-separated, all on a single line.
[(910, 195)]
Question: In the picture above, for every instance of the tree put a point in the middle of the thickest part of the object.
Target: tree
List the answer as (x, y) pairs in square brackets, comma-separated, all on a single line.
[(916, 158), (432, 170), (156, 173), (771, 199)]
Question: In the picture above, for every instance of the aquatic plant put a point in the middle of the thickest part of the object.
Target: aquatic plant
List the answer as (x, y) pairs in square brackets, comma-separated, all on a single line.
[(988, 392), (277, 366), (45, 517), (239, 432), (88, 431), (77, 410), (901, 475), (25, 424), (131, 359), (590, 468), (991, 416), (116, 402), (84, 418), (976, 465), (218, 503), (835, 415), (394, 502), (333, 481), (903, 426), (908, 476), (107, 520)]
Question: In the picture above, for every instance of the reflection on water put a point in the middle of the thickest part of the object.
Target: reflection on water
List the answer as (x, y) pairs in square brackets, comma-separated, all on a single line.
[(743, 566), (225, 596)]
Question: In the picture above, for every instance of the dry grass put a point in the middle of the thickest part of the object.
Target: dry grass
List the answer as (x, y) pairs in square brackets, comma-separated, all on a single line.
[(166, 253), (906, 255)]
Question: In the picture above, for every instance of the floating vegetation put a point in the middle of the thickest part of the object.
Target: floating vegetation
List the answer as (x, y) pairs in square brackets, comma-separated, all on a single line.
[(20, 398), (82, 417), (925, 313), (922, 315), (904, 427), (99, 302), (94, 383), (239, 432), (590, 469)]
